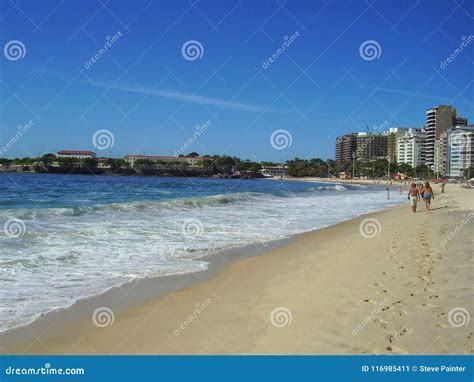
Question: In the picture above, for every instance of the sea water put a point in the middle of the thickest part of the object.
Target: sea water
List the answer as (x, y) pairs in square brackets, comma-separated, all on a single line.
[(67, 237)]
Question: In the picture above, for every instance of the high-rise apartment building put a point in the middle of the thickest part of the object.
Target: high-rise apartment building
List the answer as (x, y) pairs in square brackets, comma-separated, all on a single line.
[(394, 134), (346, 145), (371, 146), (459, 150), (411, 147), (438, 120)]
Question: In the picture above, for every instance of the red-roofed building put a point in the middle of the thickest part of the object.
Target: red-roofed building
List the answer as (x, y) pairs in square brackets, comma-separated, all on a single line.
[(192, 161), (78, 154)]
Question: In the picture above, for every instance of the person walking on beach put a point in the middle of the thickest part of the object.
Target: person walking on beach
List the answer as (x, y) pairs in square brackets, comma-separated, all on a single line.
[(427, 195), (442, 188), (413, 196), (420, 190)]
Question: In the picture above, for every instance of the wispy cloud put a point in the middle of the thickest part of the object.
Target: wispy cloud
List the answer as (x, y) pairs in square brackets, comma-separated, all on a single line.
[(194, 98), (218, 103)]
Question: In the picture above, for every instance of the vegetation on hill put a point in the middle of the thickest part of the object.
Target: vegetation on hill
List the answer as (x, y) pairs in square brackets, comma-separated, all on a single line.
[(224, 164)]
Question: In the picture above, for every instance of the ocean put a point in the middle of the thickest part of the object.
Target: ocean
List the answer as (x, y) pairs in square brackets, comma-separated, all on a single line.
[(67, 237)]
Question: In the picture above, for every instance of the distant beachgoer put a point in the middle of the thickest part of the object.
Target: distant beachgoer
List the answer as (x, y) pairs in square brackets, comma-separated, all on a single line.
[(442, 188), (413, 196), (400, 190), (388, 193), (427, 195)]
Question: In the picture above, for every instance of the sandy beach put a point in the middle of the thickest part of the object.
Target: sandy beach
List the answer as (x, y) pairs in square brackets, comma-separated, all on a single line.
[(391, 282)]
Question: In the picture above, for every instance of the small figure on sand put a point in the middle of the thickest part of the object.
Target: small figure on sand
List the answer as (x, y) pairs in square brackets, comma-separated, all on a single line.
[(428, 195), (413, 195), (442, 187)]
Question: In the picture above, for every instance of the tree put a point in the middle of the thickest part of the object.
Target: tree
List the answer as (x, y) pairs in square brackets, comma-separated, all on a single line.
[(143, 163), (405, 168), (422, 171), (248, 166), (89, 163), (116, 164), (469, 172), (224, 164)]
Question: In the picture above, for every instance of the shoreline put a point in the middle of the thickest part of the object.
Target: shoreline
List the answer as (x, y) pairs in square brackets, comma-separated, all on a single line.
[(216, 261), (61, 330), (140, 287), (234, 251)]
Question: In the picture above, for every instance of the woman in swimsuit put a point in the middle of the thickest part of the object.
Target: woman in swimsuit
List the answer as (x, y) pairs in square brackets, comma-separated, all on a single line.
[(427, 195)]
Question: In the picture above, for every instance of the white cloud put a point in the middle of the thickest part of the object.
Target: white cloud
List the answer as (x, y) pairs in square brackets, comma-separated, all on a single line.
[(194, 98)]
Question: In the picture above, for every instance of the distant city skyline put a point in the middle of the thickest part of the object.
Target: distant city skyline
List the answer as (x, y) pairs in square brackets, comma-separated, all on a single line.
[(261, 81)]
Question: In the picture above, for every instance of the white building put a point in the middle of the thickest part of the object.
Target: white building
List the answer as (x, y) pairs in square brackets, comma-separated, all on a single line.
[(76, 154), (410, 147), (459, 150), (394, 134), (274, 171)]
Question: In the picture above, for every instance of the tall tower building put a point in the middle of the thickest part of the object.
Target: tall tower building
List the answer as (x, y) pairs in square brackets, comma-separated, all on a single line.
[(371, 146), (345, 146), (438, 120)]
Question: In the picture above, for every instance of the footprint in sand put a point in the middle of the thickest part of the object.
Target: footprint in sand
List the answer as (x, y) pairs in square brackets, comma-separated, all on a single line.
[(406, 331), (383, 322), (397, 350)]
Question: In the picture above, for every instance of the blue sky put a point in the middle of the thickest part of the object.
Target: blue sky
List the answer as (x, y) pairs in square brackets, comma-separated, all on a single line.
[(151, 98)]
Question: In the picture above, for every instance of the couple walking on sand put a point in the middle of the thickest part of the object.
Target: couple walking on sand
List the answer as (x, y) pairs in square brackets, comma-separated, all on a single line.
[(425, 192)]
